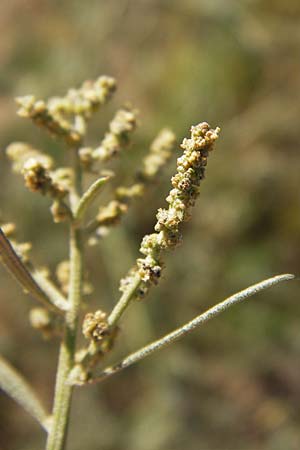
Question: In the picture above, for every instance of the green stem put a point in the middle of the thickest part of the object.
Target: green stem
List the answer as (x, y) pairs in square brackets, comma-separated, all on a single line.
[(63, 391), (123, 303)]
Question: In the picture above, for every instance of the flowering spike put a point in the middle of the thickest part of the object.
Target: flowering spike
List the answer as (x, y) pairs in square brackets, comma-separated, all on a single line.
[(65, 117), (186, 184)]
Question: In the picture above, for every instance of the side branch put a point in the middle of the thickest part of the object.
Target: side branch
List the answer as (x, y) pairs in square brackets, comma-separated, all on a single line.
[(124, 301), (188, 327), (191, 168), (17, 388)]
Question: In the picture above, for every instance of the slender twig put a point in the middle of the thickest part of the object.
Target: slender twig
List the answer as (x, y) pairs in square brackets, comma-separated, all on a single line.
[(123, 302), (88, 197), (63, 391), (187, 328), (15, 385), (15, 266)]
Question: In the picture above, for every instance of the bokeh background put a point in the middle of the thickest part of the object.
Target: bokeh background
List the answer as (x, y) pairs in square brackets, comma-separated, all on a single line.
[(234, 384)]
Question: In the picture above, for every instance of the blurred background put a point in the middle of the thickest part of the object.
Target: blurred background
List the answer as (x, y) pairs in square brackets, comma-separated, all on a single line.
[(233, 384)]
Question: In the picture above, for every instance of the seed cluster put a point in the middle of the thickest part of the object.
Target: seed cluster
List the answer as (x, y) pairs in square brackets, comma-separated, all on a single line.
[(186, 184), (39, 176), (159, 154), (47, 323), (118, 136), (66, 116), (95, 326)]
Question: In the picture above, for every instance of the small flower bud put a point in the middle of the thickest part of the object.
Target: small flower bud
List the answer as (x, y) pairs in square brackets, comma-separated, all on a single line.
[(63, 275), (60, 211), (160, 152), (120, 128), (36, 176), (95, 326), (8, 229), (19, 153), (111, 213)]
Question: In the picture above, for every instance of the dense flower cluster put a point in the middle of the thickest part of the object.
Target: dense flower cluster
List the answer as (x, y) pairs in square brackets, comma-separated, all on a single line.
[(186, 183), (117, 137), (66, 116), (47, 323), (159, 154), (95, 326), (39, 176)]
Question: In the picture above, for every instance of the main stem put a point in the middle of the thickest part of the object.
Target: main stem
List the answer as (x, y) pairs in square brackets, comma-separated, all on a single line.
[(63, 391)]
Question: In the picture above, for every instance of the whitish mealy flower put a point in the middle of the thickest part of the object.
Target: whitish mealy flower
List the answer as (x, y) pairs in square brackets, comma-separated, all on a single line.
[(111, 213), (186, 185), (35, 166), (101, 335), (8, 228), (47, 323), (60, 211), (20, 152), (22, 249), (118, 136), (160, 152), (65, 117), (95, 326), (38, 112), (62, 273), (39, 179), (85, 100)]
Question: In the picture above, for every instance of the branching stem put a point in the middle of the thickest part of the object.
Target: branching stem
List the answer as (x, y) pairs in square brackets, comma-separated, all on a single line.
[(63, 391)]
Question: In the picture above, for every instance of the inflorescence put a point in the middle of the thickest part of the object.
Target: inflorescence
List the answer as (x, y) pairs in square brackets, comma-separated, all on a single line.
[(186, 184), (66, 119)]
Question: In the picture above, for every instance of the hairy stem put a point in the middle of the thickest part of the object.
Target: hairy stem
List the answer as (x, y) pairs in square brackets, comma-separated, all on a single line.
[(188, 327), (123, 303), (63, 391)]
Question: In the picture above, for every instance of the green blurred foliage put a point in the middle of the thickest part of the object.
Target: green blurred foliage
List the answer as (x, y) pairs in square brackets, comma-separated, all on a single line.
[(235, 383)]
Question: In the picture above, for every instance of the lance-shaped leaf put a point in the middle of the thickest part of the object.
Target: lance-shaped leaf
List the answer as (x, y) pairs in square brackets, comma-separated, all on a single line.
[(15, 266), (79, 378), (17, 388), (89, 196)]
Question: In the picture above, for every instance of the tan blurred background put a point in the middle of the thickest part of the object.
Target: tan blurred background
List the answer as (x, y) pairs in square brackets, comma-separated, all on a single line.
[(234, 384)]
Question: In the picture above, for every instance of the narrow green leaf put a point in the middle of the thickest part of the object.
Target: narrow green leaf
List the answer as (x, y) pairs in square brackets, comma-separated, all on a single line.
[(14, 385), (183, 330), (15, 266), (89, 196)]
